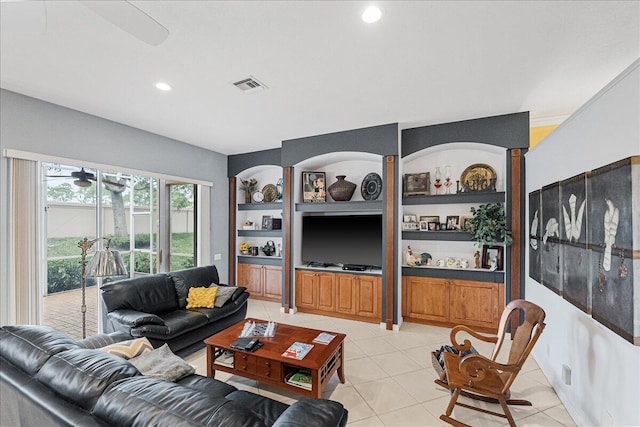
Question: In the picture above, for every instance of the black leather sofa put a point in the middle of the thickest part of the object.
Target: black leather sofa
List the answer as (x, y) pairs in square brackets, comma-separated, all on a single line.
[(48, 379), (154, 306)]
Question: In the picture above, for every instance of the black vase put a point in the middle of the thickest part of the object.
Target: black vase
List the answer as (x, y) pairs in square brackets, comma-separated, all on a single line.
[(341, 190)]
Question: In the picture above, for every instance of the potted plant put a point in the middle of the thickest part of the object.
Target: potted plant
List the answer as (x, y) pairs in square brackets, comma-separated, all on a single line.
[(489, 226)]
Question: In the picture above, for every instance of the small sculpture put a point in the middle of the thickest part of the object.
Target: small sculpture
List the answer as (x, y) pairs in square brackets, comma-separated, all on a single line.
[(269, 249), (477, 258)]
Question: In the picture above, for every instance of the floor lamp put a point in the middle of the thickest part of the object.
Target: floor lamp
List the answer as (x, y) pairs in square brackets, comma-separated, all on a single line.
[(103, 263)]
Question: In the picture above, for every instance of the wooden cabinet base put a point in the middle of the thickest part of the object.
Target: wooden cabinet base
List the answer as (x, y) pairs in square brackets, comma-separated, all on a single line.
[(263, 282), (451, 302), (343, 295)]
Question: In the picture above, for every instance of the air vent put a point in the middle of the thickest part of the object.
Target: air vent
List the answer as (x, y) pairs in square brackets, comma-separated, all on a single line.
[(250, 84)]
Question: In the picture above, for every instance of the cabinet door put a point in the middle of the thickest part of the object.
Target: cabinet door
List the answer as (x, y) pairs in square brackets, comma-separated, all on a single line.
[(306, 291), (426, 298), (273, 281), (250, 276), (326, 285), (346, 293), (476, 303), (368, 300)]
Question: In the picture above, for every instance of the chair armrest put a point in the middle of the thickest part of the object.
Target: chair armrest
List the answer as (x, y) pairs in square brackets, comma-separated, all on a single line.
[(132, 318), (313, 413), (466, 345)]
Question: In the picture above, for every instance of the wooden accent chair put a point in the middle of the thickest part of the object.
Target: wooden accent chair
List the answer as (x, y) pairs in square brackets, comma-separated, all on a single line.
[(480, 378)]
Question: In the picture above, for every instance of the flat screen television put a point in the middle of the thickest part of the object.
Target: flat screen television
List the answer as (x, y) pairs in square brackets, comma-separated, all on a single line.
[(342, 239)]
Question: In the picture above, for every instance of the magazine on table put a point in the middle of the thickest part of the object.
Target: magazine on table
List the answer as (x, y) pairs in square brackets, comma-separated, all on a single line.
[(324, 338), (259, 329), (297, 350)]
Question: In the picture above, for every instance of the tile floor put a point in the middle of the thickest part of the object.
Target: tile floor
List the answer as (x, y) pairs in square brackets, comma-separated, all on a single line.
[(389, 377)]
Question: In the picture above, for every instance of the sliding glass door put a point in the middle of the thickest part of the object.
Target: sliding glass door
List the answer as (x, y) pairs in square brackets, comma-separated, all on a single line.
[(128, 209)]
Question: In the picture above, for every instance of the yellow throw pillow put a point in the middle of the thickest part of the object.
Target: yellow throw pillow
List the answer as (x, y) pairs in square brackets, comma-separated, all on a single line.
[(201, 297)]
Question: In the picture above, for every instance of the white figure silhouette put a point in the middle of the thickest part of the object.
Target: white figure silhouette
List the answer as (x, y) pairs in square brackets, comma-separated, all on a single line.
[(551, 230), (610, 230), (573, 223), (534, 232)]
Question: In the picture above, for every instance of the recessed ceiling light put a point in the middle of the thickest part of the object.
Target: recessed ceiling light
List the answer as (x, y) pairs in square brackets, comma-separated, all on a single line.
[(371, 14), (163, 86)]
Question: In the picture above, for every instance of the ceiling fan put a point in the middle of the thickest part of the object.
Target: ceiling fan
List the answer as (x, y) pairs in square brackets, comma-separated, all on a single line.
[(84, 178), (30, 17)]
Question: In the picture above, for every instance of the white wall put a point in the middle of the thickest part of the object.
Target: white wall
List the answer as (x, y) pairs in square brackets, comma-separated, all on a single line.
[(605, 368), (35, 126)]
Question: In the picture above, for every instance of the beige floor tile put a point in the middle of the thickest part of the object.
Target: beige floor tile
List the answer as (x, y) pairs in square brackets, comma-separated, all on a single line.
[(413, 416), (352, 350), (353, 401), (375, 346), (385, 395), (367, 422), (363, 370), (395, 363), (560, 414), (539, 420), (420, 385)]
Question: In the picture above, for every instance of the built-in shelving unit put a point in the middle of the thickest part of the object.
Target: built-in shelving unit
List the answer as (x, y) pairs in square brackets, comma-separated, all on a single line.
[(472, 296), (262, 275)]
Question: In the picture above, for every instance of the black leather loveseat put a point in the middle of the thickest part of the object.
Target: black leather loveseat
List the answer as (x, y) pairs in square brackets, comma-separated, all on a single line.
[(48, 379), (154, 306)]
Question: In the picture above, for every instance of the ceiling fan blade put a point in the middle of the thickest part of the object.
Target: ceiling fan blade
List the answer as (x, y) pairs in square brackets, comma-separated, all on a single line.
[(23, 17), (129, 18)]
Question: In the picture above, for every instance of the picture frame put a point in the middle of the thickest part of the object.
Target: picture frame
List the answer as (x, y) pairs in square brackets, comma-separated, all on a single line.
[(489, 253), (465, 224), (453, 222), (416, 184), (314, 187), (433, 225), (430, 218), (267, 222), (424, 226), (409, 218), (410, 226)]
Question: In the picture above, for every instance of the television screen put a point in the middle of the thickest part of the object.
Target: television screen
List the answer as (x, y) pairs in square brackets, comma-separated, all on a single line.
[(342, 239)]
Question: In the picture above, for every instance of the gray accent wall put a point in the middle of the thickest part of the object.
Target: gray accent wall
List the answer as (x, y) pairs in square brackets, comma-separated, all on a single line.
[(32, 125)]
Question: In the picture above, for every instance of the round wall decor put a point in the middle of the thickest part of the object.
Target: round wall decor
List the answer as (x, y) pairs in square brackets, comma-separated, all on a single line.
[(371, 187), (269, 192)]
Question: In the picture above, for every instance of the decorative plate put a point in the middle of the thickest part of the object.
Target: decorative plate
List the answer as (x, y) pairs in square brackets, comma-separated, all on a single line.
[(269, 192), (478, 177), (371, 186)]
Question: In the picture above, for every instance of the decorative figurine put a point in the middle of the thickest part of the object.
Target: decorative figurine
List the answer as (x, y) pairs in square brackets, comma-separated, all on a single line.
[(477, 257)]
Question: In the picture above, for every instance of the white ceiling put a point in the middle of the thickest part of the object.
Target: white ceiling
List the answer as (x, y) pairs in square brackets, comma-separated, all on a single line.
[(327, 71)]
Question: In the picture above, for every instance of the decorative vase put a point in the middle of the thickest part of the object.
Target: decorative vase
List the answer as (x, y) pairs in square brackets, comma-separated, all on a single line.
[(247, 196), (341, 190)]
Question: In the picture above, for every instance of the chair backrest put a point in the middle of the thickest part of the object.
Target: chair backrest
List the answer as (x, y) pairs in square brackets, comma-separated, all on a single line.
[(526, 334)]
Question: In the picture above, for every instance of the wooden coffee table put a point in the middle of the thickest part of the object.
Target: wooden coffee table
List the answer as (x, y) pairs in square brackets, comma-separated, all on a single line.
[(267, 364)]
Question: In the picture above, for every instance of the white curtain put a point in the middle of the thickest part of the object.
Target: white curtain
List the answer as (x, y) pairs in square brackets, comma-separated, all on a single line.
[(24, 241)]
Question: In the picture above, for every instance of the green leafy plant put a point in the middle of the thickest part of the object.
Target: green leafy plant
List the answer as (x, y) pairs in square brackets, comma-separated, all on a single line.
[(489, 226)]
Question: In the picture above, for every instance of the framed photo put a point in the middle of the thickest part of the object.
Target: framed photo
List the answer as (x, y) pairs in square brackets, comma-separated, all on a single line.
[(416, 184), (409, 218), (464, 223), (267, 222), (410, 226), (424, 226), (430, 218), (453, 222), (492, 257), (313, 187), (433, 225)]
